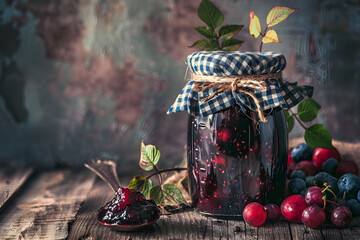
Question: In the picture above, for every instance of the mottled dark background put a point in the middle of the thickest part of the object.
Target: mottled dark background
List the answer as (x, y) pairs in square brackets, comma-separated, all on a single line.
[(95, 77)]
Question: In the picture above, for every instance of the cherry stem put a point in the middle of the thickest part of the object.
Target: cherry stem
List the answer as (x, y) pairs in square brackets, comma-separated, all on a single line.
[(327, 188), (333, 202), (297, 119), (165, 170)]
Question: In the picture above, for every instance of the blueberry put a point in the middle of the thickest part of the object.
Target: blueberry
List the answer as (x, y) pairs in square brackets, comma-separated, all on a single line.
[(324, 177), (310, 181), (354, 207), (350, 184), (296, 185), (302, 152), (358, 196), (297, 174), (330, 166)]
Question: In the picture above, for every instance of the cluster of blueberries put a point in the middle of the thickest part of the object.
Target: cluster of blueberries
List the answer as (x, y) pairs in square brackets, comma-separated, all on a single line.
[(309, 167)]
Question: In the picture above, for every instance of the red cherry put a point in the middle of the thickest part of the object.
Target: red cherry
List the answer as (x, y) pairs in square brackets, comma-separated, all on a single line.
[(273, 213), (254, 214), (313, 216), (320, 156), (307, 167), (347, 167), (314, 195), (293, 207)]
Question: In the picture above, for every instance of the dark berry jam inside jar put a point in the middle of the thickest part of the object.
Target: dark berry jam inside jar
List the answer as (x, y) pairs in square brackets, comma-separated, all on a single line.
[(235, 159)]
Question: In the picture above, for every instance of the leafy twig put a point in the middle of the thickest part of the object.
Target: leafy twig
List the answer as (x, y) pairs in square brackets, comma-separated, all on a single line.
[(317, 135), (166, 170), (150, 156), (221, 39), (297, 119), (276, 15)]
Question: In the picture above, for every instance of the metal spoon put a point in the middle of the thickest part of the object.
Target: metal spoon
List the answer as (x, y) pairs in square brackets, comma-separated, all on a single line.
[(106, 170)]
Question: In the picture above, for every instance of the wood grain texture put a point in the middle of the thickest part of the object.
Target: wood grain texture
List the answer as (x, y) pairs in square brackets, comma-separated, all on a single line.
[(11, 179), (47, 206)]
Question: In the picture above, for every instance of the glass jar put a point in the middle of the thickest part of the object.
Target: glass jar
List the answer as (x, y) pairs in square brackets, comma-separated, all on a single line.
[(234, 159)]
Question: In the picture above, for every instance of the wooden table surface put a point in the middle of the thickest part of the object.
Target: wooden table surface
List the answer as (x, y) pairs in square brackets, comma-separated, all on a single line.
[(62, 204)]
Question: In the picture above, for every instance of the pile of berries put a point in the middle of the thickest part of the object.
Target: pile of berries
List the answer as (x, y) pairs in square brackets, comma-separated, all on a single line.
[(128, 207), (321, 188)]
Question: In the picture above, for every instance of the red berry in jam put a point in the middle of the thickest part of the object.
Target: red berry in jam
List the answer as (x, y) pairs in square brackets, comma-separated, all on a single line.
[(313, 216), (254, 214), (347, 167), (273, 213), (224, 134), (320, 156), (292, 208), (341, 216), (128, 207), (313, 196)]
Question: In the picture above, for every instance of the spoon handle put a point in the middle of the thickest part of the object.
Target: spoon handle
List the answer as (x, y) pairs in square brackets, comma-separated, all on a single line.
[(106, 170)]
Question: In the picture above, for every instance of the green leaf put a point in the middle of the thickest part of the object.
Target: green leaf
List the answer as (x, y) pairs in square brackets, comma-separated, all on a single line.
[(141, 184), (254, 26), (137, 183), (210, 14), (318, 136), (228, 31), (308, 110), (278, 14), (173, 193), (206, 44), (290, 121), (231, 44), (157, 194), (149, 156), (206, 32), (271, 37)]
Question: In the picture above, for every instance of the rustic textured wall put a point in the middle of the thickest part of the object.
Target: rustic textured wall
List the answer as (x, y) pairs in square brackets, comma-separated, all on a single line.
[(95, 77)]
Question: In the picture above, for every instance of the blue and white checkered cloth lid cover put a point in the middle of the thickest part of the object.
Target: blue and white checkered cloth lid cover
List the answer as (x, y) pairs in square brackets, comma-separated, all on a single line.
[(278, 93)]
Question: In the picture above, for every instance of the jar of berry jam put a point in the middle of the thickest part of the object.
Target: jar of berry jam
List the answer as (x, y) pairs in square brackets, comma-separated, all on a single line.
[(237, 131)]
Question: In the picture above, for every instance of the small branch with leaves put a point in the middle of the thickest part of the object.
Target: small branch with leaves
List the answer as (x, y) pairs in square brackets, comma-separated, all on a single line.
[(221, 39), (149, 158), (316, 135), (276, 15)]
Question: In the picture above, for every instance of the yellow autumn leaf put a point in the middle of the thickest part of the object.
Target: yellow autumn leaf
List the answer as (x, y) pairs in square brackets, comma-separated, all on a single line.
[(254, 26), (271, 37)]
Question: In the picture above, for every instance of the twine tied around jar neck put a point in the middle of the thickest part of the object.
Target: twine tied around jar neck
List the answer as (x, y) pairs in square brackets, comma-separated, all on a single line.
[(235, 84)]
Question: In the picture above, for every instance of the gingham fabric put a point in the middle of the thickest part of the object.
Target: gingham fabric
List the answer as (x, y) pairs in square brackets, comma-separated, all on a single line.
[(278, 93)]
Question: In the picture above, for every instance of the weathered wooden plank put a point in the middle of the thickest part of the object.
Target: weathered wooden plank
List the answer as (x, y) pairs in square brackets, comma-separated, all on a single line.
[(331, 232), (236, 230), (47, 207), (219, 229), (300, 231), (11, 179), (251, 232), (281, 230)]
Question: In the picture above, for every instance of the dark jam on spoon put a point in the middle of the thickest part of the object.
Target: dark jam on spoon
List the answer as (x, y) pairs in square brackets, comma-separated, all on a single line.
[(128, 208)]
